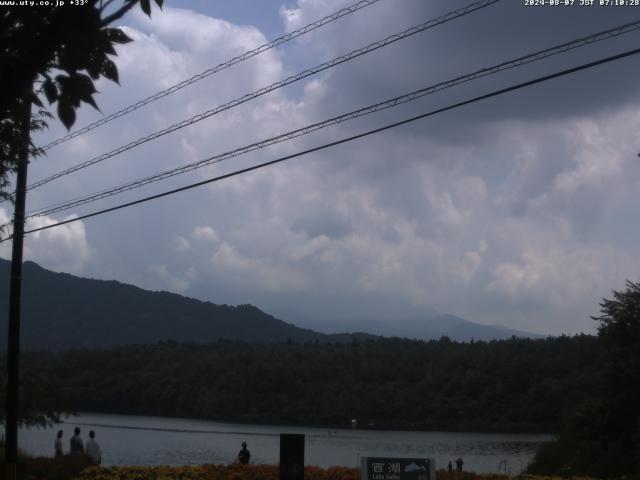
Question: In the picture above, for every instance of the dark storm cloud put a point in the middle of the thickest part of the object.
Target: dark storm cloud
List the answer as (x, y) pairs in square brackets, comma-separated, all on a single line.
[(498, 33)]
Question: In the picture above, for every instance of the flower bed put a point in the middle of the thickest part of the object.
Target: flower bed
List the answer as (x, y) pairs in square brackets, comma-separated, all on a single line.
[(263, 472), (213, 472)]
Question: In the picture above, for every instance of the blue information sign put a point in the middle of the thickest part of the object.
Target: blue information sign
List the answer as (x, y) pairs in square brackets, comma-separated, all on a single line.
[(385, 468)]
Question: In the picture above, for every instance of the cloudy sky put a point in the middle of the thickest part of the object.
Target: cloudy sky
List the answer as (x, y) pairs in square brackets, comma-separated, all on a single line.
[(520, 210)]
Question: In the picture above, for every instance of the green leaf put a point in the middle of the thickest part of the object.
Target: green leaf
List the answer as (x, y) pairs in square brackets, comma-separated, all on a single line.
[(115, 35), (50, 90), (110, 71), (94, 65), (145, 5), (89, 99), (66, 112), (62, 80), (107, 47), (36, 101), (82, 84), (74, 54), (82, 88)]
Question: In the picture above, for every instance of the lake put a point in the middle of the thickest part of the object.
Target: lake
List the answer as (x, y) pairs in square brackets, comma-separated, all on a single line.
[(135, 440)]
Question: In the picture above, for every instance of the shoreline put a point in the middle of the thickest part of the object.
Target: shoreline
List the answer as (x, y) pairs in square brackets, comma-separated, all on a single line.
[(434, 428)]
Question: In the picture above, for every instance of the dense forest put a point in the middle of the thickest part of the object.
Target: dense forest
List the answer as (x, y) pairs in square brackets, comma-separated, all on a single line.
[(601, 435), (513, 385)]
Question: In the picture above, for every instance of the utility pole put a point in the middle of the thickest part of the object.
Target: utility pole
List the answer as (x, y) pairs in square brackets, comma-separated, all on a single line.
[(15, 290)]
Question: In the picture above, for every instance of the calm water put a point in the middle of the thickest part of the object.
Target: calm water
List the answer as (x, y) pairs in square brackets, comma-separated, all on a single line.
[(132, 440)]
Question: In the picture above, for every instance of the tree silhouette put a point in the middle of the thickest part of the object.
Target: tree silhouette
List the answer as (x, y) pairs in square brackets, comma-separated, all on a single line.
[(602, 437), (619, 330), (58, 53)]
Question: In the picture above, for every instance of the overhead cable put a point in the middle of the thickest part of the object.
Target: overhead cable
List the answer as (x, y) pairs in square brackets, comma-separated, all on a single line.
[(532, 57), (218, 68), (262, 91), (344, 140)]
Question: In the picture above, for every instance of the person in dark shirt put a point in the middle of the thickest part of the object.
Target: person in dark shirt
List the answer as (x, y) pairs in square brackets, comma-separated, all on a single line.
[(459, 464), (76, 444), (59, 451), (244, 455)]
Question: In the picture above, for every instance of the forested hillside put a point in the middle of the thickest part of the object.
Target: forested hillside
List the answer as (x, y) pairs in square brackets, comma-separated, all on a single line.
[(64, 311), (513, 385)]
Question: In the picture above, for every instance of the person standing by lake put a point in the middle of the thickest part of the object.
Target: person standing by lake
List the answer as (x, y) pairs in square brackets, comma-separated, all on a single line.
[(59, 451), (76, 444), (244, 455), (459, 464), (93, 449)]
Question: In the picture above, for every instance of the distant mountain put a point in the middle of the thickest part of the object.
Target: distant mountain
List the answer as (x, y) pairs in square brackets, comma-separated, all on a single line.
[(423, 324), (63, 311)]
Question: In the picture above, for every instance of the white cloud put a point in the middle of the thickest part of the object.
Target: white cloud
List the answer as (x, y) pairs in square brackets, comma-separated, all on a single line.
[(563, 276), (205, 233), (251, 273), (63, 248), (518, 211), (313, 246), (182, 244), (169, 281)]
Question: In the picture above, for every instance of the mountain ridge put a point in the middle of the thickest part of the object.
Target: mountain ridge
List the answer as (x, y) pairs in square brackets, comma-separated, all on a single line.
[(431, 325), (61, 311)]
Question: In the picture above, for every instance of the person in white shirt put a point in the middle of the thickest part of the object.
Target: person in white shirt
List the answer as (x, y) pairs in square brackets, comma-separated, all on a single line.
[(92, 449), (59, 452)]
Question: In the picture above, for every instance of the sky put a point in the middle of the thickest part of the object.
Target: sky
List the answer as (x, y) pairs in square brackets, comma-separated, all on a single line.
[(520, 210)]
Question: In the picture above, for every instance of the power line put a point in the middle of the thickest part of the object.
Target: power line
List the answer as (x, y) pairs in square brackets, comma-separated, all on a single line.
[(282, 83), (533, 57), (347, 139), (240, 58)]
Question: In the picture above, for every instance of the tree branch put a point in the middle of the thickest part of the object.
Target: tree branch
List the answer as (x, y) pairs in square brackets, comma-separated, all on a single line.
[(118, 13)]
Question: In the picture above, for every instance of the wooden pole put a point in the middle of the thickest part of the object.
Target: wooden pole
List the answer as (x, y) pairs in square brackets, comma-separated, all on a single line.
[(15, 290)]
